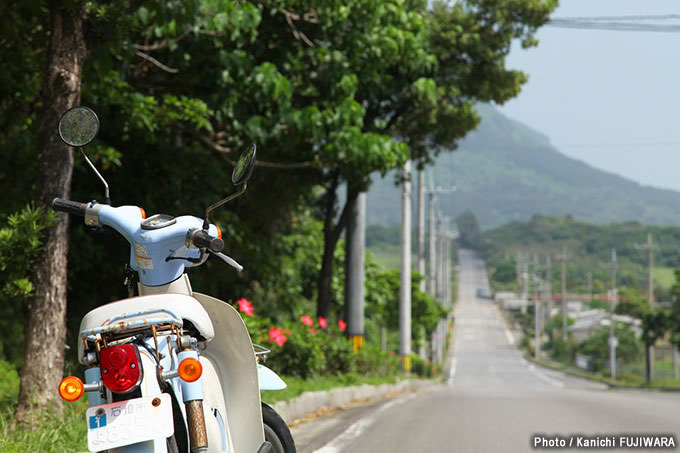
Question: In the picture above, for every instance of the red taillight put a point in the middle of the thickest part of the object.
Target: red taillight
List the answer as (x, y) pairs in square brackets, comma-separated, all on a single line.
[(121, 368)]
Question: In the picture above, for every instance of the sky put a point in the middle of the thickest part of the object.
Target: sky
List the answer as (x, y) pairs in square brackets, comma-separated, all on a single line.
[(608, 98)]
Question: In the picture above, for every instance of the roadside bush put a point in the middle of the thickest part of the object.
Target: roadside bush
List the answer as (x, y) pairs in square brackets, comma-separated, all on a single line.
[(9, 383), (338, 353), (562, 351), (422, 368), (301, 355), (371, 360), (596, 346)]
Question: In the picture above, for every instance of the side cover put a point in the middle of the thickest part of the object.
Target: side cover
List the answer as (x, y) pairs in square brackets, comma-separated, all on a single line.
[(231, 351)]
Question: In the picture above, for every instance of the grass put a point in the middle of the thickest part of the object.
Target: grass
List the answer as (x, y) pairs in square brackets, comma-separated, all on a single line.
[(631, 380), (51, 434), (389, 256), (69, 433), (664, 276)]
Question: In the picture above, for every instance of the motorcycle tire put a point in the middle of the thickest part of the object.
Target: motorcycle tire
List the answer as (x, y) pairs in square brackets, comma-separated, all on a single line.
[(276, 431)]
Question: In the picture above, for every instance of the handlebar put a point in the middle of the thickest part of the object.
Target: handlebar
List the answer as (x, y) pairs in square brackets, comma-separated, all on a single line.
[(71, 207), (201, 239)]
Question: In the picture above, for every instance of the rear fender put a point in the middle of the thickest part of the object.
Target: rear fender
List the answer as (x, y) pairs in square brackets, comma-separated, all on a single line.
[(233, 357)]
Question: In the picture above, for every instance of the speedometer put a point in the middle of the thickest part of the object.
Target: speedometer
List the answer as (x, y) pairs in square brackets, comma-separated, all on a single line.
[(158, 221)]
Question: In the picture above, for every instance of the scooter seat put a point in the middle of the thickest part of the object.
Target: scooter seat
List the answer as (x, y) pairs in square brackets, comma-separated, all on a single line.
[(151, 307)]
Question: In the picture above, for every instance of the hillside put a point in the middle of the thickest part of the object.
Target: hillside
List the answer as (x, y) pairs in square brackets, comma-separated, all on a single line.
[(589, 246), (504, 172)]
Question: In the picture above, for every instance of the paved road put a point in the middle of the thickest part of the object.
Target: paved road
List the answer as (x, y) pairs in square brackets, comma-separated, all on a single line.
[(494, 401)]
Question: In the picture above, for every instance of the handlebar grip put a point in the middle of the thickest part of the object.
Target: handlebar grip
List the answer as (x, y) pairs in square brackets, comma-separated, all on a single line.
[(72, 207), (203, 240)]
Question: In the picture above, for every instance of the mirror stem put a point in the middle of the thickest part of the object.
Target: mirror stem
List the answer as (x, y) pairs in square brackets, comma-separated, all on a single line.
[(212, 207), (107, 199)]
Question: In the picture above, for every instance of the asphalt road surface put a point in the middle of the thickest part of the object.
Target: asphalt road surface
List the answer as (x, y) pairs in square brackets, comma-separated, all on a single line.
[(494, 400)]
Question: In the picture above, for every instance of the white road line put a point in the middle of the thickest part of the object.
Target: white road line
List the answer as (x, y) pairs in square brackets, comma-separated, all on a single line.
[(545, 378), (357, 428), (509, 336), (452, 371)]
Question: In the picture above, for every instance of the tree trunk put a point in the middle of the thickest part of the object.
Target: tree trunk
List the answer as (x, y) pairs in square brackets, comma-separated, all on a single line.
[(46, 331), (331, 236)]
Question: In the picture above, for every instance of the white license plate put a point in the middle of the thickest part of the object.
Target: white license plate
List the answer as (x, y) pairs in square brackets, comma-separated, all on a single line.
[(128, 422)]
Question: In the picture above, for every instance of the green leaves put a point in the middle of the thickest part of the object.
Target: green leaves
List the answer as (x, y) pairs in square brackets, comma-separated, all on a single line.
[(20, 240)]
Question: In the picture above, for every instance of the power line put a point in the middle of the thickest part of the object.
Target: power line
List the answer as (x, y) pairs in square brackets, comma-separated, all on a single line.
[(618, 23), (622, 18)]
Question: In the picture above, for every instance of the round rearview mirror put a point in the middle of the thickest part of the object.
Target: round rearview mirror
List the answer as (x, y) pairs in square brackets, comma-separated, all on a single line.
[(244, 166), (78, 126)]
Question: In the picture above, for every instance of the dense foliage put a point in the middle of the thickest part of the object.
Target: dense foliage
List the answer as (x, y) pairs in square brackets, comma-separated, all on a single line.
[(330, 92), (589, 247)]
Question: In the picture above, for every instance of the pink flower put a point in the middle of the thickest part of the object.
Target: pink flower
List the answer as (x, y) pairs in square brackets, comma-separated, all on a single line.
[(307, 320), (312, 330), (276, 335), (287, 332), (244, 306), (342, 324), (322, 322), (392, 353)]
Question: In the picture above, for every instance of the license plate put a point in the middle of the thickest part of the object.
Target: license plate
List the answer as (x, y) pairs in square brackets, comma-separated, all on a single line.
[(128, 422)]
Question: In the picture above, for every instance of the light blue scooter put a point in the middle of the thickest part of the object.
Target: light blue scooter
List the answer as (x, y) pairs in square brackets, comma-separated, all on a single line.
[(170, 370)]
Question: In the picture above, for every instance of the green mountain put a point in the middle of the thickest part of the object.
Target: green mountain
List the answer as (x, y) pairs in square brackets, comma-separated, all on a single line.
[(504, 172)]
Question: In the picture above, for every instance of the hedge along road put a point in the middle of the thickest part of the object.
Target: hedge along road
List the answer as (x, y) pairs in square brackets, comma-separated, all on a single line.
[(494, 399)]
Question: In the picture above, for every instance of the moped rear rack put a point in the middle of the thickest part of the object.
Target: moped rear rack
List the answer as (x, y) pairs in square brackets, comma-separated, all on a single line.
[(143, 321)]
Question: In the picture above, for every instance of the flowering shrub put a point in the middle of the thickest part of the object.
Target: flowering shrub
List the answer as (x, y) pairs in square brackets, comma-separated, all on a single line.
[(300, 356), (245, 306), (306, 348), (276, 335)]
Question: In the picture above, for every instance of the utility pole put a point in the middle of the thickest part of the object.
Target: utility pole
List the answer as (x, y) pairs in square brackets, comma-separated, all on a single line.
[(537, 323), (421, 227), (432, 192), (612, 295), (440, 257), (649, 246), (590, 286), (433, 258), (525, 285), (548, 289), (563, 257), (449, 296), (355, 253), (405, 288), (518, 268)]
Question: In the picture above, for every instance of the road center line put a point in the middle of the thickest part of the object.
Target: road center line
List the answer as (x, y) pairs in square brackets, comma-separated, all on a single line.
[(357, 428)]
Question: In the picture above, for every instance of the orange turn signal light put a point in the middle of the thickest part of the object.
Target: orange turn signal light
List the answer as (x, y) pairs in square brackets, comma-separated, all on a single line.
[(219, 232), (143, 213), (190, 369), (71, 388)]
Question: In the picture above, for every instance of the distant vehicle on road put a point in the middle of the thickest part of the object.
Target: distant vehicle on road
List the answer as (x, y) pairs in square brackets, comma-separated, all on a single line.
[(483, 293)]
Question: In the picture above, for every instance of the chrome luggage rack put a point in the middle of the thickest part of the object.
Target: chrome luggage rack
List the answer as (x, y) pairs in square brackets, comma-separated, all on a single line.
[(260, 351), (167, 320)]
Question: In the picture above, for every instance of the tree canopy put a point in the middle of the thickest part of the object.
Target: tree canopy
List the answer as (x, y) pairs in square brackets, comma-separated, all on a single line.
[(329, 91)]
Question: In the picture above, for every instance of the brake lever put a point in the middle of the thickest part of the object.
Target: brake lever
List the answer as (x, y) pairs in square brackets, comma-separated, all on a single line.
[(229, 260)]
